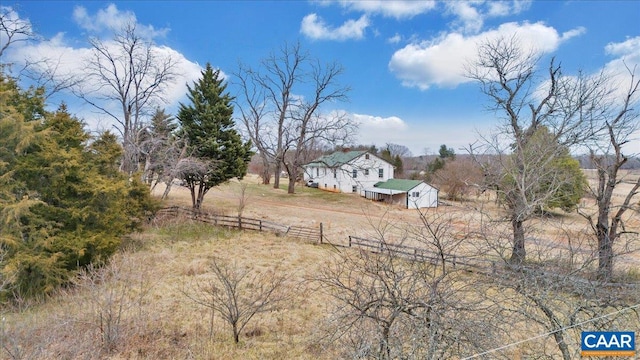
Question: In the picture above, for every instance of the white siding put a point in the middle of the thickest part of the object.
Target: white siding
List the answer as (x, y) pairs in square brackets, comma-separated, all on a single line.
[(344, 181), (422, 196)]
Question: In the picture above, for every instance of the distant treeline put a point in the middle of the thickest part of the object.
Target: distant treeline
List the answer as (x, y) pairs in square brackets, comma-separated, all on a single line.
[(417, 163), (586, 163)]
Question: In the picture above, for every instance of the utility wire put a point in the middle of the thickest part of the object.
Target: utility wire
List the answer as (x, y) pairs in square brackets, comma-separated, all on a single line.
[(550, 333)]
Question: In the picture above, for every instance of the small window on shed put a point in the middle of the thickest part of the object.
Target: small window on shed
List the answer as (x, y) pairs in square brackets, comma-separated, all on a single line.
[(366, 156), (416, 194), (335, 173), (354, 188), (355, 173), (366, 172), (334, 187)]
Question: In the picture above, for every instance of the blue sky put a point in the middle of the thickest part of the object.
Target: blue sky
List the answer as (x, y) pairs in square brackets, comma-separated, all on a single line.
[(403, 59)]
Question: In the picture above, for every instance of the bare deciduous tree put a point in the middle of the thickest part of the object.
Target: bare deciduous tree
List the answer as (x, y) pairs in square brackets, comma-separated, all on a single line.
[(613, 130), (129, 72), (238, 294), (44, 72), (243, 197), (13, 29), (281, 106), (507, 75), (117, 294), (458, 177), (390, 306), (255, 117)]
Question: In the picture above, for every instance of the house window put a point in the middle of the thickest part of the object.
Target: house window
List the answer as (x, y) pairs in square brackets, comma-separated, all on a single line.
[(354, 188), (366, 172), (355, 173), (415, 194), (334, 187), (335, 173), (381, 173), (366, 156), (317, 172)]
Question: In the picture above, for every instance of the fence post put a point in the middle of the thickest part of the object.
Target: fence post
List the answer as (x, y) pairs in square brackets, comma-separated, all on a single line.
[(349, 240), (320, 233), (260, 224), (239, 222)]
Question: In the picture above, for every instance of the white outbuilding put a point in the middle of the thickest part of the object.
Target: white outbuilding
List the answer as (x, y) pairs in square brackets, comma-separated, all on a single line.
[(411, 194)]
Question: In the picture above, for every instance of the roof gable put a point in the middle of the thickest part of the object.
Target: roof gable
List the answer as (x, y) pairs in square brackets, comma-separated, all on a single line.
[(398, 184), (336, 159)]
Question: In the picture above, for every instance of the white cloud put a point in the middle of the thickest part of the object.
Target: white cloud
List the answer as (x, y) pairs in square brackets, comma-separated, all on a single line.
[(390, 8), (314, 27), (380, 130), (627, 55), (111, 19), (21, 28), (441, 61), (417, 136), (394, 39), (573, 33), (498, 8), (470, 15), (628, 47), (469, 19), (70, 61)]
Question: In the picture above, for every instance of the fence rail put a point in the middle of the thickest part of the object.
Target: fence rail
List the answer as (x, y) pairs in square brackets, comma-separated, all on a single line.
[(244, 223), (422, 254), (481, 266)]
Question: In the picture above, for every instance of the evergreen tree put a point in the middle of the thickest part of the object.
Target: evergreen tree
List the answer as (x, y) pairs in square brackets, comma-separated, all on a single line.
[(63, 205), (554, 182), (216, 150), (446, 153), (158, 145)]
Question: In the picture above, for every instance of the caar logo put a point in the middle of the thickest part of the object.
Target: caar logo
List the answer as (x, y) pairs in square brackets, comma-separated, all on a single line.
[(608, 343)]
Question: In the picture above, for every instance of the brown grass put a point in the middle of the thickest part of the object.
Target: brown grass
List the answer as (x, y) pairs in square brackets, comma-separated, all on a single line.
[(157, 321)]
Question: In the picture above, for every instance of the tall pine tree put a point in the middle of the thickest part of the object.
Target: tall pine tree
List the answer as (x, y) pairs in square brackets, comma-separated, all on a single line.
[(216, 150)]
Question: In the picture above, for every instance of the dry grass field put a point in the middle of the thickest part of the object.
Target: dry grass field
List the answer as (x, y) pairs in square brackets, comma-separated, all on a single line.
[(140, 306)]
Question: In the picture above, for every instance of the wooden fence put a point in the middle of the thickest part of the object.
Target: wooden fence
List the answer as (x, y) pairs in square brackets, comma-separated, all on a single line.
[(422, 254), (468, 263), (243, 223), (479, 265)]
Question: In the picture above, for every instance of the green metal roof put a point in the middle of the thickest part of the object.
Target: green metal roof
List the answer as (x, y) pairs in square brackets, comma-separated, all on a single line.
[(336, 159), (398, 184)]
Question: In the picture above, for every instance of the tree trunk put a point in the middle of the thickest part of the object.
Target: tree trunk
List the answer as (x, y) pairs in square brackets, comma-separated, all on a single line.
[(236, 333), (266, 171), (605, 257), (276, 174), (192, 188), (518, 254), (385, 349), (291, 189), (167, 189)]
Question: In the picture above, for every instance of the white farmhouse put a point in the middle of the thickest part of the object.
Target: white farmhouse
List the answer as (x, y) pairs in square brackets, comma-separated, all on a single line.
[(410, 194), (348, 171)]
